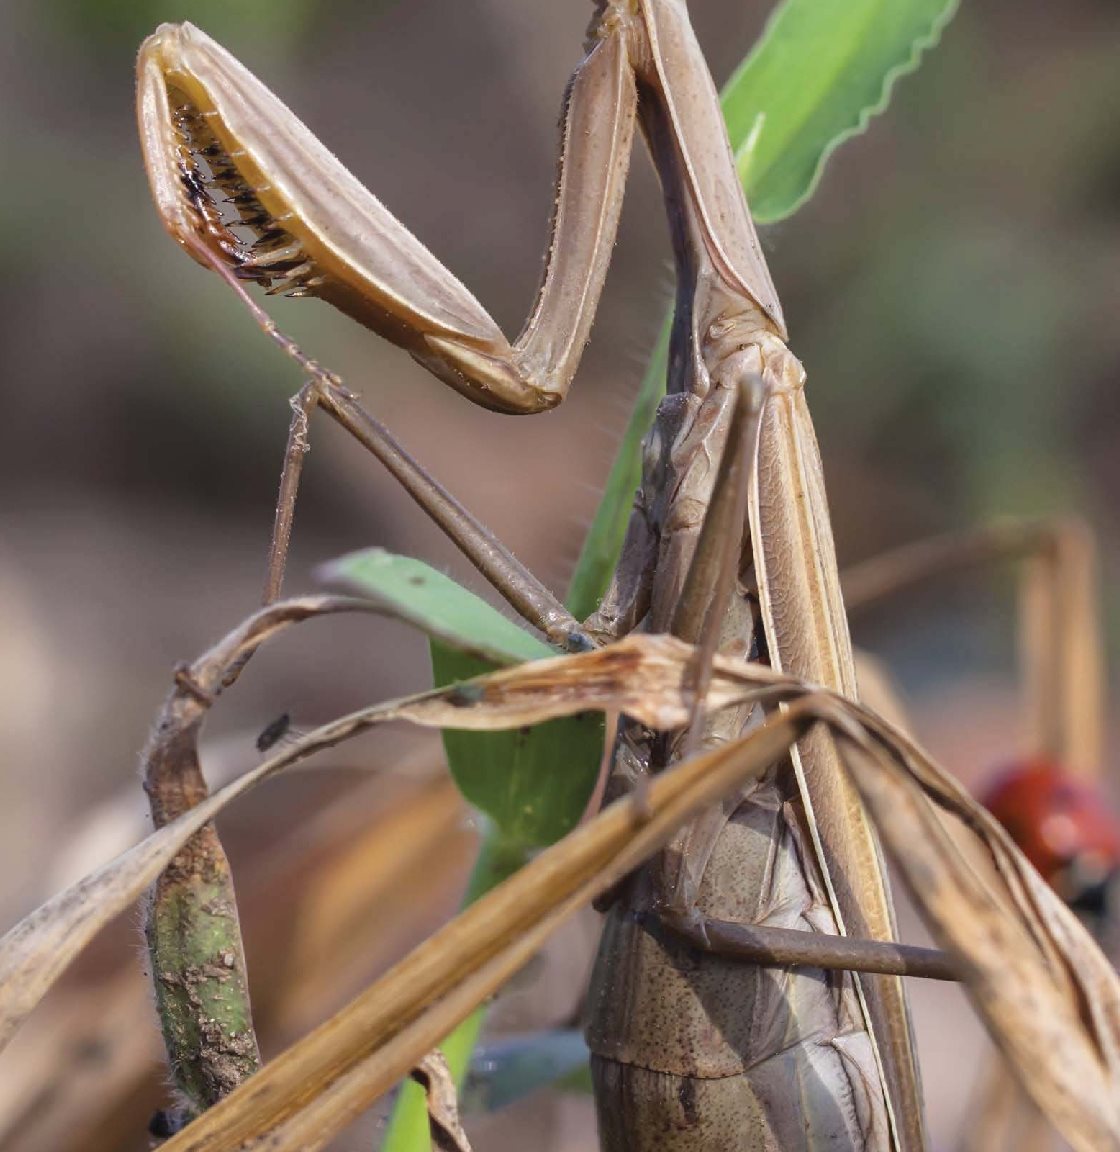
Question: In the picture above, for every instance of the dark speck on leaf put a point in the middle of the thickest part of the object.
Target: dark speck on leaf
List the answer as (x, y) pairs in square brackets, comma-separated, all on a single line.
[(464, 695)]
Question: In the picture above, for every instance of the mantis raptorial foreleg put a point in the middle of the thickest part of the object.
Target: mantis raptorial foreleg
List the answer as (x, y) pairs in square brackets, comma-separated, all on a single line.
[(318, 232), (206, 123)]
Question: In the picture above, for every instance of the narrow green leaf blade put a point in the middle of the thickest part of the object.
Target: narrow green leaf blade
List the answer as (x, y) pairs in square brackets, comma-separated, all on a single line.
[(603, 543), (821, 71), (533, 783), (416, 593)]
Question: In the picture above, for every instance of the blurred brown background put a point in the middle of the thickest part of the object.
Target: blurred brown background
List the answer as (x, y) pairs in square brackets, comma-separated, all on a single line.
[(951, 290)]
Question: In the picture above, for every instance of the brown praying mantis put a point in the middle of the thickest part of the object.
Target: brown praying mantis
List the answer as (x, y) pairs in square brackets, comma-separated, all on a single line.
[(729, 549), (318, 232)]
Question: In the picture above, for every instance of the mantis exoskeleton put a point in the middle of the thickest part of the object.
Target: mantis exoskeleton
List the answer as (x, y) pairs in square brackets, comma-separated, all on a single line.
[(709, 1057)]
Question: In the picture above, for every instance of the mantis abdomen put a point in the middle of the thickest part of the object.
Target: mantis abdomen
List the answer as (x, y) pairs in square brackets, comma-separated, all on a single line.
[(714, 1054)]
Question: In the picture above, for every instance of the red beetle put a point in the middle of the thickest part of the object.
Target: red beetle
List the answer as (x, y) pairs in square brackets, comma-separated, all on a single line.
[(1064, 826)]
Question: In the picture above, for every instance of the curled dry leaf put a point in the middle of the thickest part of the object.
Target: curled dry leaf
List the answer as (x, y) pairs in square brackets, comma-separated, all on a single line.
[(321, 1084), (38, 950), (433, 1075), (642, 677), (977, 893), (1048, 995)]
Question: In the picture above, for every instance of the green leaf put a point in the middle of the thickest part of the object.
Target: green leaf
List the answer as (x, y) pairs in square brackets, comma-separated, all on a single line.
[(533, 783), (603, 542), (416, 593), (821, 71)]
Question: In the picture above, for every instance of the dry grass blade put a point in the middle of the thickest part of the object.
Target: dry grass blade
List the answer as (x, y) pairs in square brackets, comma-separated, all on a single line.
[(1019, 946), (927, 561), (1048, 996), (641, 678), (37, 951), (1059, 620), (85, 1070), (1063, 661), (321, 1084)]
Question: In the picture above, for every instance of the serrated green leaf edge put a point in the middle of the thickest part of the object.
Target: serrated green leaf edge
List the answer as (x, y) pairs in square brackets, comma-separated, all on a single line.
[(782, 39)]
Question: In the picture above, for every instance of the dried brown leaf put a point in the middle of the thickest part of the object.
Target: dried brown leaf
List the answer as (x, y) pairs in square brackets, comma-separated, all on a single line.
[(1048, 996), (642, 677), (1045, 991), (325, 1081), (433, 1075)]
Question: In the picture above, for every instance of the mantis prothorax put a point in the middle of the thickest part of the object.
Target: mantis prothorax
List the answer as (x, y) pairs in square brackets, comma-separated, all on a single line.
[(794, 850)]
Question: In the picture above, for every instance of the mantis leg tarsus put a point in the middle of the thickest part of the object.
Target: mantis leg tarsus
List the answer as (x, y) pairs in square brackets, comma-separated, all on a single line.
[(303, 404)]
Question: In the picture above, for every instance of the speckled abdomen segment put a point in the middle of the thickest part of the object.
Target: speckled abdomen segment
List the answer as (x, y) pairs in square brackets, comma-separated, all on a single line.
[(699, 1052), (811, 1098)]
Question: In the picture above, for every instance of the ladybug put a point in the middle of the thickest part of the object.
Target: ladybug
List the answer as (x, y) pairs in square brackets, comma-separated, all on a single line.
[(1065, 828)]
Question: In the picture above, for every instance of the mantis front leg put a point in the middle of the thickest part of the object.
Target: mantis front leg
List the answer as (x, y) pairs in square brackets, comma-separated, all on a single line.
[(206, 124), (303, 225)]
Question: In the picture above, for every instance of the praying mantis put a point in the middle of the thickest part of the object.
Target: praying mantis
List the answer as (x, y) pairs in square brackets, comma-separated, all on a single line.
[(807, 856), (729, 549)]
